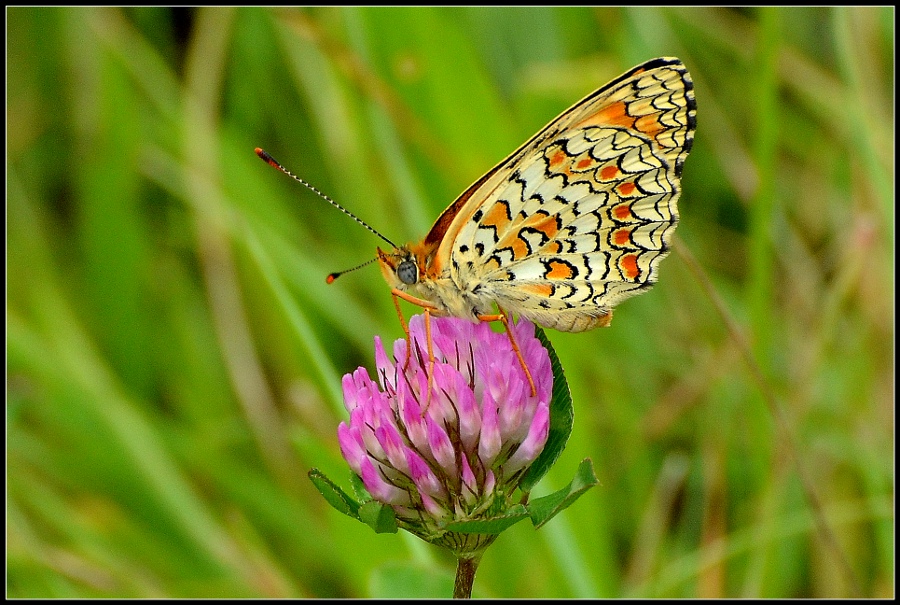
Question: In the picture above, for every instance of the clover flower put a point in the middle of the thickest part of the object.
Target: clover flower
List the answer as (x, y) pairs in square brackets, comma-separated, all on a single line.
[(440, 443), (455, 448)]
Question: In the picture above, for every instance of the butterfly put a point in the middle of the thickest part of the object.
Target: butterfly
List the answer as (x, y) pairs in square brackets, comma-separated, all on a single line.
[(570, 224), (573, 222)]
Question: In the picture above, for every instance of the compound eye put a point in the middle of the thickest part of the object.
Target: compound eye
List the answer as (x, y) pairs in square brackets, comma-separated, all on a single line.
[(408, 272)]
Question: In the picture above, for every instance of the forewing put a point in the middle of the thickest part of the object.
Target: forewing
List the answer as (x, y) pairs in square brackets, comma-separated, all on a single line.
[(579, 217)]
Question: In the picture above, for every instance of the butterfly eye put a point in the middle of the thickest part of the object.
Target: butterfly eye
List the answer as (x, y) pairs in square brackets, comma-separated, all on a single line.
[(408, 272)]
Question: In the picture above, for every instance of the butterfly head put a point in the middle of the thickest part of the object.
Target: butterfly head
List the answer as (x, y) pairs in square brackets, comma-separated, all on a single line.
[(400, 267)]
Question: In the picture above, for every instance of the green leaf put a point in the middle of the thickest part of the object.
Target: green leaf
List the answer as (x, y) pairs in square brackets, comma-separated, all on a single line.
[(359, 489), (494, 525), (379, 517), (376, 515), (561, 420), (544, 509), (335, 496)]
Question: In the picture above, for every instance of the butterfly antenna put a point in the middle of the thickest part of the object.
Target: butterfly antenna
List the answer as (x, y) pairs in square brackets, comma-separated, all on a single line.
[(334, 276), (265, 157)]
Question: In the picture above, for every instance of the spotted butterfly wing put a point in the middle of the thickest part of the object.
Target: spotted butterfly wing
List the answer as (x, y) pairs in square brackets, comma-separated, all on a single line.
[(574, 221)]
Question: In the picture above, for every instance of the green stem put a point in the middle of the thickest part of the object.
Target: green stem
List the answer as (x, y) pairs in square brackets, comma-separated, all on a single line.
[(465, 576)]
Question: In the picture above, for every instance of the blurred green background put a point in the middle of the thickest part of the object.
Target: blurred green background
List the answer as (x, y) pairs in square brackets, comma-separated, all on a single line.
[(174, 354)]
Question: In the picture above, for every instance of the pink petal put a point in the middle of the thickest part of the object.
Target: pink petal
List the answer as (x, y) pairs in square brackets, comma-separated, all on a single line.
[(441, 447), (489, 444), (352, 448), (422, 475), (533, 444), (394, 449), (380, 489), (433, 508)]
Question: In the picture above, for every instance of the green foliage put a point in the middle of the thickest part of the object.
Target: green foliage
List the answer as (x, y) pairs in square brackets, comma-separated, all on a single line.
[(174, 354), (379, 517), (334, 495), (543, 509)]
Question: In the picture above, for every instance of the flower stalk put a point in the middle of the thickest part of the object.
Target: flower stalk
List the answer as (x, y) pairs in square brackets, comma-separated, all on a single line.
[(465, 576)]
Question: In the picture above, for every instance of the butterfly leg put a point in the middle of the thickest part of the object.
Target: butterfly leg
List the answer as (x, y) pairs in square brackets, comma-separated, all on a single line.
[(396, 300), (430, 359), (397, 295), (502, 317), (427, 307)]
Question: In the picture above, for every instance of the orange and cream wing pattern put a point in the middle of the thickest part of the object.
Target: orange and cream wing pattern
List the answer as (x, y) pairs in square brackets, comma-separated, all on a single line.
[(577, 219)]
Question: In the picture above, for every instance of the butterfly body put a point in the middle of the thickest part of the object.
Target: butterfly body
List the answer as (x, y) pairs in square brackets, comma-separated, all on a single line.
[(570, 224)]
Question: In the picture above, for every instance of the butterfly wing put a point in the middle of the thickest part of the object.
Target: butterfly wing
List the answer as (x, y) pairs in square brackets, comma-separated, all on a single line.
[(578, 218)]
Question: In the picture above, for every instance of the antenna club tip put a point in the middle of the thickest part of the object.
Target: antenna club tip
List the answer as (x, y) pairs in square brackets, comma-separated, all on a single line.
[(265, 157), (331, 277)]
